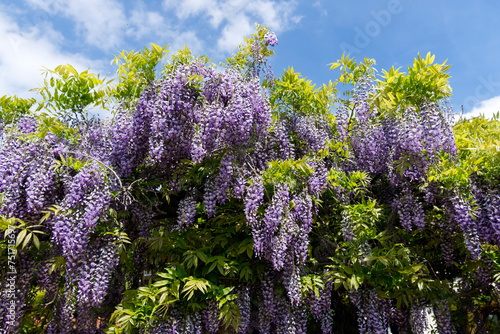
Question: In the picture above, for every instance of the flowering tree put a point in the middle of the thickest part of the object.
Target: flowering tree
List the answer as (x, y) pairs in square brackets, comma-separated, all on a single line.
[(231, 201)]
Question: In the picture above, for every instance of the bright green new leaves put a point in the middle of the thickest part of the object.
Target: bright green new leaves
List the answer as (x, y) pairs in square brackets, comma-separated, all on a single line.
[(70, 94), (425, 82), (141, 307), (27, 233), (286, 171), (184, 57), (361, 221), (311, 283), (13, 107), (194, 284), (478, 151), (356, 182), (135, 70), (292, 94), (478, 141), (363, 217), (229, 311), (393, 270), (351, 72)]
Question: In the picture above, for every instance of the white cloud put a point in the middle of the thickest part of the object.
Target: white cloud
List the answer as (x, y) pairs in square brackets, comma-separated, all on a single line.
[(143, 23), (296, 18), (319, 6), (274, 15), (185, 9), (187, 38), (486, 108), (236, 18), (105, 24), (101, 22), (24, 53), (233, 33), (29, 45)]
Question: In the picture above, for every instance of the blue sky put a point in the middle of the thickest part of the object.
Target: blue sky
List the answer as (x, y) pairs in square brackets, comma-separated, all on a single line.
[(312, 34)]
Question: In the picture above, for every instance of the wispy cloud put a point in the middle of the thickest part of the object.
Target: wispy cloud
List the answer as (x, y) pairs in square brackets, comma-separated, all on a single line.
[(233, 31), (235, 18), (186, 38), (30, 41), (486, 108), (144, 23), (107, 25), (188, 8), (317, 4), (25, 51), (101, 22)]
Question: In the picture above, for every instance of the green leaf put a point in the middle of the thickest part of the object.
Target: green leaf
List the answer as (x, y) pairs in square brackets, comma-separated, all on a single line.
[(27, 239), (36, 241), (20, 237)]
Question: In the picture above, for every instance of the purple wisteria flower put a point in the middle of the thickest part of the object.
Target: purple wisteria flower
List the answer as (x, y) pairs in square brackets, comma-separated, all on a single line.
[(271, 39)]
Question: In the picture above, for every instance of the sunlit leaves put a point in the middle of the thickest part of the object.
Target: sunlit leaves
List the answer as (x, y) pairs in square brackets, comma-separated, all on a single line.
[(287, 171), (311, 283), (194, 284), (478, 150), (68, 93), (136, 69), (14, 107), (425, 81), (229, 311), (364, 216), (293, 95), (27, 234), (352, 71)]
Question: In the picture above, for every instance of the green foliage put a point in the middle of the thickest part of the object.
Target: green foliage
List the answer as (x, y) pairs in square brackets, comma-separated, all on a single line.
[(292, 95), (68, 93), (184, 57), (478, 152), (364, 216), (352, 72), (13, 107), (27, 233), (355, 182), (135, 71), (395, 270), (202, 264), (49, 124), (425, 82), (229, 311), (140, 308), (311, 283), (286, 171)]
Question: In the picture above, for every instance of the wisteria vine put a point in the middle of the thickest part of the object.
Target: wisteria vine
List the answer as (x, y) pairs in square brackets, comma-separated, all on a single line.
[(209, 205)]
